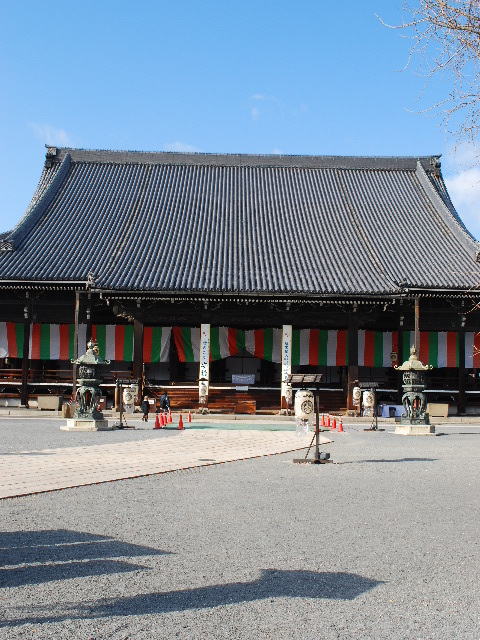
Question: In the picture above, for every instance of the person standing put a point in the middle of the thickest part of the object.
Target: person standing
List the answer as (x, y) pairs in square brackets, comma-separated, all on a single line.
[(165, 402), (145, 407)]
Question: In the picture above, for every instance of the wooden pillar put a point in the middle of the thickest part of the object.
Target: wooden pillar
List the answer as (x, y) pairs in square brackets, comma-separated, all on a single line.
[(26, 354), (417, 326), (352, 357), (461, 406), (138, 354), (88, 317), (400, 360)]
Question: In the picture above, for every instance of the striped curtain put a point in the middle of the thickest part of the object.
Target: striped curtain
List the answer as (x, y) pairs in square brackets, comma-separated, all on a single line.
[(55, 341), (314, 347), (265, 344), (11, 340), (318, 347), (51, 341), (156, 344), (187, 342), (472, 350), (375, 347), (438, 348), (225, 342), (114, 341)]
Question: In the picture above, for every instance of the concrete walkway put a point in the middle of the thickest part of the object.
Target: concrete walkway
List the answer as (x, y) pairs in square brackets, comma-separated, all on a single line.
[(30, 472)]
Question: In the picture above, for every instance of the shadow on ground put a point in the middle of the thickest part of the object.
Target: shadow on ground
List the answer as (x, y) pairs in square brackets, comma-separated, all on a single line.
[(391, 460), (33, 557), (271, 584)]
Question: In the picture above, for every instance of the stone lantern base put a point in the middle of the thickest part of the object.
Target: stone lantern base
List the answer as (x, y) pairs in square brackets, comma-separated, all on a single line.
[(86, 424), (421, 429)]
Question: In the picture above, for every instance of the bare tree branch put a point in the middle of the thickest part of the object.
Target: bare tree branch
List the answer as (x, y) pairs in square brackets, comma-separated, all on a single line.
[(446, 45)]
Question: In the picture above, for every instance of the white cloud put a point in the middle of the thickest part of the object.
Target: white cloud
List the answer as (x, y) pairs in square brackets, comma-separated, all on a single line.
[(255, 113), (51, 135), (461, 171), (180, 147), (269, 104), (465, 156), (464, 190), (267, 107)]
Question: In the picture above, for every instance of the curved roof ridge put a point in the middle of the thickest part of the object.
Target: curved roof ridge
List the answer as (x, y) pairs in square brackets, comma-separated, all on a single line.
[(392, 163), (246, 228), (442, 208), (35, 212)]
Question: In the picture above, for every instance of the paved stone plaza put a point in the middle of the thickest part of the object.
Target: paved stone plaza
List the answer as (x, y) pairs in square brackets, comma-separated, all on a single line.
[(383, 543)]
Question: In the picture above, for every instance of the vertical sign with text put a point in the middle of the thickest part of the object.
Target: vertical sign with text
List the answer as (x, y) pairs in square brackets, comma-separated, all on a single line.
[(204, 374), (286, 355)]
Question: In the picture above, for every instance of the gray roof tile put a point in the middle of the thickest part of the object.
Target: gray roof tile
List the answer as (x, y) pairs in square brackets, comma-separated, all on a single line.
[(266, 224)]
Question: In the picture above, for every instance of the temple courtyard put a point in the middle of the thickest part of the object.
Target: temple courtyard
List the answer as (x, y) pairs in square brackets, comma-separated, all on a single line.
[(213, 532)]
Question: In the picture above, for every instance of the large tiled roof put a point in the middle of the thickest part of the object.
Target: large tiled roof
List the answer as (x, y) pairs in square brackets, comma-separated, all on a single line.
[(172, 222)]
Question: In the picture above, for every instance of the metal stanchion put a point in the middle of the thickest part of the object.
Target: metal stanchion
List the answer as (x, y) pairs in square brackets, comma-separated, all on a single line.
[(302, 380), (122, 422)]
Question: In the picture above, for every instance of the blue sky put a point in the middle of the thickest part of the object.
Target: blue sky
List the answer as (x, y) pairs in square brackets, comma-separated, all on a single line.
[(254, 76)]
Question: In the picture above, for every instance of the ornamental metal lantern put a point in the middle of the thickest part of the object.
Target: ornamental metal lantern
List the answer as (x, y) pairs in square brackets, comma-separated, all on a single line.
[(88, 393), (414, 400)]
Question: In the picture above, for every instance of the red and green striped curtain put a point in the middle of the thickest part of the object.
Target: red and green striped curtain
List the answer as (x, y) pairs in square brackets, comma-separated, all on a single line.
[(472, 350), (437, 348), (315, 347), (375, 348), (187, 343), (226, 342), (51, 341), (114, 341), (55, 341), (319, 347), (265, 344), (156, 344), (11, 340)]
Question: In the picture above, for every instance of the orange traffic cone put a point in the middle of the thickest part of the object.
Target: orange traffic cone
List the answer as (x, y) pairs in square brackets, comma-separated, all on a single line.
[(334, 424), (323, 419), (170, 416), (328, 420), (189, 416), (157, 422), (340, 425), (180, 423), (162, 421)]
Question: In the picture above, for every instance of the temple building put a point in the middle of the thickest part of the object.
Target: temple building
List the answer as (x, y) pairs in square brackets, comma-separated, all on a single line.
[(216, 275)]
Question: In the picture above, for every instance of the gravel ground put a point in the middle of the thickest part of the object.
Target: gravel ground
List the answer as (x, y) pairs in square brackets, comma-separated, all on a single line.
[(27, 434), (381, 544)]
